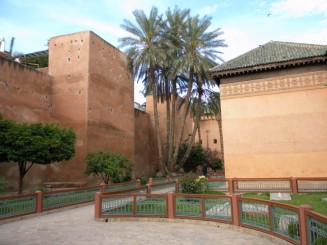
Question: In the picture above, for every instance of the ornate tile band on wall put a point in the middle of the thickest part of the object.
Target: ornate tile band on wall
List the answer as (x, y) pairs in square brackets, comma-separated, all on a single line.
[(273, 85)]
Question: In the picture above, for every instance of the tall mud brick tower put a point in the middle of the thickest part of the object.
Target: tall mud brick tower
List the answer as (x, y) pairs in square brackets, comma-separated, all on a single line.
[(93, 93)]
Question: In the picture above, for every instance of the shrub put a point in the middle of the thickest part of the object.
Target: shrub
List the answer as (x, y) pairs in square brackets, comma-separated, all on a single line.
[(197, 157), (189, 184), (217, 165), (3, 184), (204, 183), (144, 180)]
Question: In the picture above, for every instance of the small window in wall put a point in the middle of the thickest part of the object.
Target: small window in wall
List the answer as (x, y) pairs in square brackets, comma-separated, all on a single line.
[(215, 141)]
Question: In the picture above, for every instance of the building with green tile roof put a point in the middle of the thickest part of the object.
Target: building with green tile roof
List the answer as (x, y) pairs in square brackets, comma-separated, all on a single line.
[(272, 55), (273, 109)]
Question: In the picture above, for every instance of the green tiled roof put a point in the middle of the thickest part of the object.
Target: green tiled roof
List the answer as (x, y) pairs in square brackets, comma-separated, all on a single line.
[(273, 52)]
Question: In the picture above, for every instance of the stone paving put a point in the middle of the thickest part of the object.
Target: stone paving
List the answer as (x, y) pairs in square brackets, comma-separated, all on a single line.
[(77, 226)]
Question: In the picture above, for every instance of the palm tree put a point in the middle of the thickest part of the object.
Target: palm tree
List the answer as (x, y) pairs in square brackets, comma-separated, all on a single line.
[(199, 55), (145, 49), (175, 27)]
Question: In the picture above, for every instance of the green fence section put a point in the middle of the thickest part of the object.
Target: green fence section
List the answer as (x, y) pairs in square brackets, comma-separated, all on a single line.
[(58, 199), (112, 188), (141, 190), (218, 208), (255, 214), (17, 206), (317, 231), (218, 186), (151, 205), (142, 204), (117, 205), (285, 222), (163, 188), (188, 206), (159, 180)]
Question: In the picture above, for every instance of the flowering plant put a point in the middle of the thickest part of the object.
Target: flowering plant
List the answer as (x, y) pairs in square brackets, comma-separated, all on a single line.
[(204, 182)]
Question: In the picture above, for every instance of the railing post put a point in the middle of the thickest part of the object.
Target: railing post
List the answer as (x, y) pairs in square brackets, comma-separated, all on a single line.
[(294, 185), (303, 224), (97, 205), (236, 209), (231, 186), (167, 178), (138, 183), (39, 201), (150, 181), (148, 188), (103, 187), (170, 205), (177, 185)]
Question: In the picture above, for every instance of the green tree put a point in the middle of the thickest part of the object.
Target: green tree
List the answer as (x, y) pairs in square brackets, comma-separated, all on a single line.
[(110, 166), (29, 144), (145, 49), (200, 52)]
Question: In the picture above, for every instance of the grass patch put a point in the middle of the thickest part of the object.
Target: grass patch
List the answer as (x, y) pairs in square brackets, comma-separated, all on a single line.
[(313, 199)]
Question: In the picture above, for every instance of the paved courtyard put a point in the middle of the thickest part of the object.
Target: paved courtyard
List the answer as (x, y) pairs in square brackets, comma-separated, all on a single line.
[(76, 226)]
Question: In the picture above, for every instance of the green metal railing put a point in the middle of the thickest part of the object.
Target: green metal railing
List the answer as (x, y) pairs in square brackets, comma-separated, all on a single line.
[(57, 199), (17, 206), (188, 206), (118, 187), (163, 188), (155, 205), (134, 204), (218, 208), (254, 214), (218, 185), (285, 222), (159, 180), (317, 229)]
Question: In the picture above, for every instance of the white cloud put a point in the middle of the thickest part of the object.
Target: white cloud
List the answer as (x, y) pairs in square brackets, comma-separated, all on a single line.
[(298, 8), (208, 10)]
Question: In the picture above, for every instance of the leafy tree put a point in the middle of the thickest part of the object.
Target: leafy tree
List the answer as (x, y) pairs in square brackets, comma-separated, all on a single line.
[(38, 61), (29, 144), (110, 165)]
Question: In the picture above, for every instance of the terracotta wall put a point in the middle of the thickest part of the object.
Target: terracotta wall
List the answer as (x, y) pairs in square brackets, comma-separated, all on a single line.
[(110, 100), (24, 97), (163, 128), (143, 165), (69, 65), (276, 126), (209, 131)]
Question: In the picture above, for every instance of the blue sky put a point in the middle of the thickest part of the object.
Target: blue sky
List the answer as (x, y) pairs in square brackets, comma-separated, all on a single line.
[(246, 23)]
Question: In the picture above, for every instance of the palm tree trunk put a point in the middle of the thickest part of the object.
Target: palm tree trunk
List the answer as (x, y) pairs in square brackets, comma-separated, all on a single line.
[(196, 126), (167, 95), (199, 134), (156, 120), (172, 124), (187, 98), (221, 141)]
